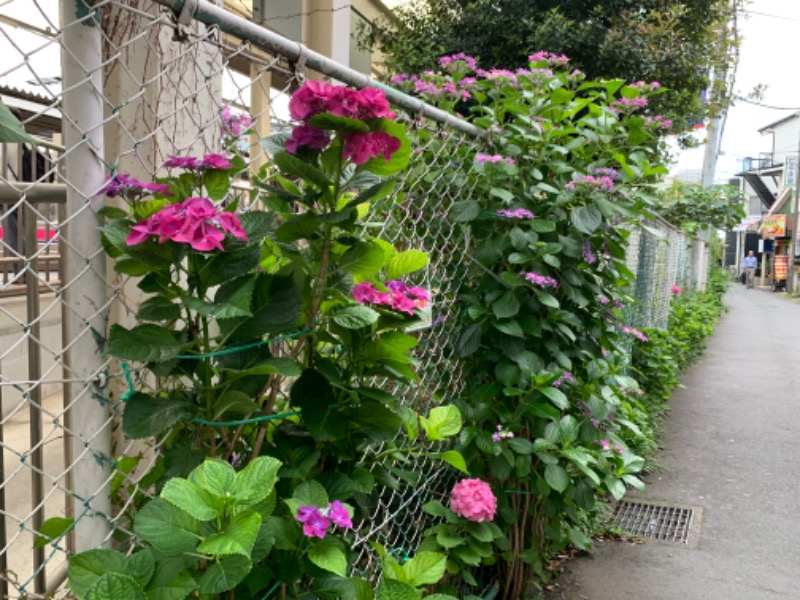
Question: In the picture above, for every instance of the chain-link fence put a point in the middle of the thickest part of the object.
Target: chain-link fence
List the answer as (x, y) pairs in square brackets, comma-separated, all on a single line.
[(131, 84), (117, 86), (661, 257)]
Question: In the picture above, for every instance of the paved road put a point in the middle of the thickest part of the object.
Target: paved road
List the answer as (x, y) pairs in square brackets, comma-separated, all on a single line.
[(731, 447)]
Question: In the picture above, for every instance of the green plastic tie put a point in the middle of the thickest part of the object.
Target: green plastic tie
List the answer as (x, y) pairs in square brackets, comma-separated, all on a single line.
[(280, 338)]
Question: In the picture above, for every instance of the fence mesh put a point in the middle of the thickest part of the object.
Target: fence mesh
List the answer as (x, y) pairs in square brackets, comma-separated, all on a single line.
[(119, 87)]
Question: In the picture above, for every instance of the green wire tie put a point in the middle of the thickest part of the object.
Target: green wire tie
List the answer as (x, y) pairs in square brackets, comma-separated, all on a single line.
[(127, 394)]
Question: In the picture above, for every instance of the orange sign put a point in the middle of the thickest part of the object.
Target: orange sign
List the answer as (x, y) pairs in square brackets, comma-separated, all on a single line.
[(781, 266), (774, 226)]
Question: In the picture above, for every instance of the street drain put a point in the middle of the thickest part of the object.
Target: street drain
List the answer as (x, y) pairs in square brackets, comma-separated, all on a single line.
[(656, 521)]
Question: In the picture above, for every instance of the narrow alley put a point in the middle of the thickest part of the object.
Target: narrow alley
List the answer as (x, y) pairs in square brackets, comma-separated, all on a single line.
[(730, 448)]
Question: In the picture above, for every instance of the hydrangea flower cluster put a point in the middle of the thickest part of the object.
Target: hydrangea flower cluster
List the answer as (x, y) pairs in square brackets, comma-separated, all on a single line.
[(643, 85), (473, 499), (540, 280), (209, 161), (631, 391), (316, 521), (603, 299), (613, 174), (502, 76), (603, 182), (635, 333), (548, 57), (517, 213), (399, 297), (482, 159), (234, 124), (588, 255), (195, 221), (502, 434), (606, 445), (124, 184), (317, 97), (660, 121), (456, 62), (565, 377), (634, 103), (676, 289)]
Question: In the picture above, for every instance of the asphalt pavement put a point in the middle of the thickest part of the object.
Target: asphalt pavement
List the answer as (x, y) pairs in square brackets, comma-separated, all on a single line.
[(731, 448)]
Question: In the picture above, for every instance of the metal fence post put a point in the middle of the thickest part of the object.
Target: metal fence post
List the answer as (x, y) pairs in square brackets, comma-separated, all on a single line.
[(85, 288)]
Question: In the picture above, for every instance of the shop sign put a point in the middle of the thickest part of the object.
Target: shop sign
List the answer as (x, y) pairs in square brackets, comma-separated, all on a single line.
[(774, 226), (749, 224), (790, 171), (781, 267)]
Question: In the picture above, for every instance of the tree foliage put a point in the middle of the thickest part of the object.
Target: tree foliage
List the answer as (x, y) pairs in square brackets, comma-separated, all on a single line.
[(678, 43), (693, 207)]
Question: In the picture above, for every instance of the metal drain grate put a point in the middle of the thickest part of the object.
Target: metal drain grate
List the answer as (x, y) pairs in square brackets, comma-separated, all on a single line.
[(660, 522)]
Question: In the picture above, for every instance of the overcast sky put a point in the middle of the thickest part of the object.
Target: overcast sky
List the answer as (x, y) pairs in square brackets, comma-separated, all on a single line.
[(769, 30)]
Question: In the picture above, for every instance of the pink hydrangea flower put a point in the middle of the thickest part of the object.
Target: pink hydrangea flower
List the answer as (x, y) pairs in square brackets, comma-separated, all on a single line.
[(306, 135), (215, 161), (340, 515), (195, 221), (635, 333), (181, 162), (400, 297), (316, 521), (473, 499), (537, 279), (360, 147), (316, 97), (676, 290), (315, 524), (234, 124), (123, 184), (519, 213)]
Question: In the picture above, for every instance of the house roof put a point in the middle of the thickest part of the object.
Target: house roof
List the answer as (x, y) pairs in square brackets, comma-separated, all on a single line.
[(772, 126)]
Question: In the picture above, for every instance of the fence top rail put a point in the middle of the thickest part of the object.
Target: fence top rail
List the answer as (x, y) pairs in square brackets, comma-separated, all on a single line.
[(210, 14)]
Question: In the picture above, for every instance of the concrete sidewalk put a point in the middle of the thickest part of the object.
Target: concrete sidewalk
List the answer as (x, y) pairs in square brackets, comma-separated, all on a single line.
[(732, 447)]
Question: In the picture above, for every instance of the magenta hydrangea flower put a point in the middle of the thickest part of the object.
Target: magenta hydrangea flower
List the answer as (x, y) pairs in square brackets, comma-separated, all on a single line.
[(316, 97), (340, 515), (306, 135), (181, 162), (360, 147), (123, 184), (676, 289), (195, 221), (473, 499), (215, 161), (400, 297), (316, 521), (209, 161), (315, 524)]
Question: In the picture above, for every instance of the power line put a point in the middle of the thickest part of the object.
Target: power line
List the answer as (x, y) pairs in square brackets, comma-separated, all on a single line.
[(761, 14), (748, 101)]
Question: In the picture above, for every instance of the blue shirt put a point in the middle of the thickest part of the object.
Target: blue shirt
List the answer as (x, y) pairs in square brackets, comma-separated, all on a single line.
[(750, 262)]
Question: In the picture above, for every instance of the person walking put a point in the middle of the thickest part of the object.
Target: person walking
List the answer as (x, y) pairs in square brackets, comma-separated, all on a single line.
[(750, 264)]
